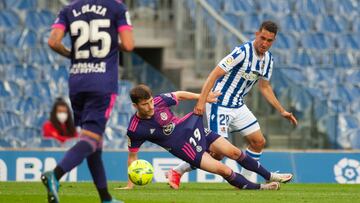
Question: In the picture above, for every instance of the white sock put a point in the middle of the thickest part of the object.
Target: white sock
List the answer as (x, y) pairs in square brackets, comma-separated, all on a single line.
[(250, 175), (183, 168)]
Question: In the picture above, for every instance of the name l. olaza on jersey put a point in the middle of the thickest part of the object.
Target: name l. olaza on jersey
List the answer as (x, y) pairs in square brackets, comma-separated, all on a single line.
[(98, 9)]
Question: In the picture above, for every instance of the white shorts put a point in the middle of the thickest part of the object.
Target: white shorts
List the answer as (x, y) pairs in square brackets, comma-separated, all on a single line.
[(223, 120)]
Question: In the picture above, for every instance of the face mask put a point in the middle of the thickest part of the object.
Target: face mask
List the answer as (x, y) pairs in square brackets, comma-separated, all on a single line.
[(62, 117)]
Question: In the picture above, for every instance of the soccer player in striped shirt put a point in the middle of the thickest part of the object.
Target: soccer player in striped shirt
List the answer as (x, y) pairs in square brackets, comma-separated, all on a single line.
[(187, 139), (234, 77)]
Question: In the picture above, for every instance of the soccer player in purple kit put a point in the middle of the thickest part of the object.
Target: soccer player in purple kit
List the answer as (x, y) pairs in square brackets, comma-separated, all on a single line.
[(187, 139), (95, 27)]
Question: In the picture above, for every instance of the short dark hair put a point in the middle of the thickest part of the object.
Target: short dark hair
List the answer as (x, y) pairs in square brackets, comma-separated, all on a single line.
[(140, 92), (269, 26)]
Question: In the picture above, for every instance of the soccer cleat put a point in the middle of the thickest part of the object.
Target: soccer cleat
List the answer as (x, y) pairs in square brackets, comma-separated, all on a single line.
[(270, 186), (113, 201), (173, 179), (52, 186), (281, 177)]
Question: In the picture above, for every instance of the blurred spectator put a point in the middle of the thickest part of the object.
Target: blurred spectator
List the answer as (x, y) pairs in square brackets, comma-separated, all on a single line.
[(60, 126)]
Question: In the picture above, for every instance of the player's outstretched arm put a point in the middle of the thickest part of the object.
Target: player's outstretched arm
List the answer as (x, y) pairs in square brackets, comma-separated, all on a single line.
[(132, 156), (185, 95), (267, 91), (55, 42), (209, 83)]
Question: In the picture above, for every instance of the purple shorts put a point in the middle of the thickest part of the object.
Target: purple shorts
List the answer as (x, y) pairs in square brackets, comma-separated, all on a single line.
[(194, 140), (92, 110)]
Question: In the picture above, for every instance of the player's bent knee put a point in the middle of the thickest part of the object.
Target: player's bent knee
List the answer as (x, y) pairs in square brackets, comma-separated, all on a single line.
[(216, 156), (93, 143), (258, 144)]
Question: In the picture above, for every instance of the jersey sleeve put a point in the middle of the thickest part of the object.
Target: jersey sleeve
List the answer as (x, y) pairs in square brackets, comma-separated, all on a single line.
[(166, 100), (123, 21), (61, 21), (134, 143), (235, 57), (269, 68)]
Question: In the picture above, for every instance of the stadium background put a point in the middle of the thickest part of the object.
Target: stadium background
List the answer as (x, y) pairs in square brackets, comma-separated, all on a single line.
[(178, 42)]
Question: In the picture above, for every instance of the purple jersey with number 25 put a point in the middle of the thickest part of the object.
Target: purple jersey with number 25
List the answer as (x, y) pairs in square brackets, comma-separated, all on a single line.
[(93, 26)]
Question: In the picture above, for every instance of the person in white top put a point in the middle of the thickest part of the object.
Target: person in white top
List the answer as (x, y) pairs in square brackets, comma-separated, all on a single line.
[(234, 76)]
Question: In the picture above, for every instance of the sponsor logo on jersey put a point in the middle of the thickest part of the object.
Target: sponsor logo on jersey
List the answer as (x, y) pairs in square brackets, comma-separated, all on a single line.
[(248, 76), (198, 148), (163, 116), (207, 131), (229, 60), (152, 130), (169, 128)]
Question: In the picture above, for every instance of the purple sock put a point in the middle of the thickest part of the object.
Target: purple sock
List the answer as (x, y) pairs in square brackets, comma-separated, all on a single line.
[(241, 182), (75, 155), (97, 171), (253, 165)]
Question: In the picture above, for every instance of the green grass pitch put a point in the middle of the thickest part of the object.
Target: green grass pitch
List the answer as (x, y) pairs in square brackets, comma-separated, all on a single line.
[(84, 192)]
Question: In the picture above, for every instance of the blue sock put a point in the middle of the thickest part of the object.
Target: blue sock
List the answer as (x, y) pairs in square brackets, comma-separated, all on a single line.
[(241, 182), (75, 156), (253, 165), (97, 171)]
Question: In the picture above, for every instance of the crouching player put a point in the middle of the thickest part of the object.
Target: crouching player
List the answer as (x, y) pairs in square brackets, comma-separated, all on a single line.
[(187, 139)]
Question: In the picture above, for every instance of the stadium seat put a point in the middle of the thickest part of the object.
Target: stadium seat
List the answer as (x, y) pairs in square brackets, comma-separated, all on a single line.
[(352, 76), (336, 126), (341, 93), (4, 90), (340, 59), (39, 19), (285, 41), (21, 38), (23, 137), (354, 138), (233, 19), (312, 7), (239, 7), (317, 41), (250, 23), (9, 20), (49, 143), (30, 106), (21, 4), (9, 119), (23, 73), (39, 56), (60, 75), (294, 75), (348, 41), (216, 4), (3, 143), (9, 57), (332, 23), (275, 6), (346, 7)]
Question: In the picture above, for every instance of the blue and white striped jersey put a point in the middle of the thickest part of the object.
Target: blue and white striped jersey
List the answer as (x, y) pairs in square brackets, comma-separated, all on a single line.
[(243, 69)]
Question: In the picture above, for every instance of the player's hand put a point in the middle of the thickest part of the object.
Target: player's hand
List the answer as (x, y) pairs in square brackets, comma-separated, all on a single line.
[(199, 108), (290, 117), (213, 97)]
